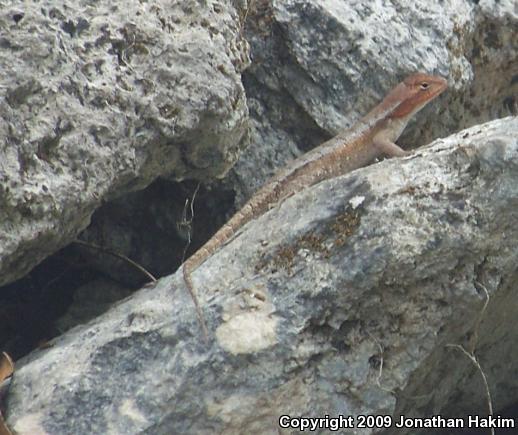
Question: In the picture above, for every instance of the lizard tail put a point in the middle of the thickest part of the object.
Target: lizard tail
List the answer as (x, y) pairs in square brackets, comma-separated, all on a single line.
[(188, 282), (221, 236)]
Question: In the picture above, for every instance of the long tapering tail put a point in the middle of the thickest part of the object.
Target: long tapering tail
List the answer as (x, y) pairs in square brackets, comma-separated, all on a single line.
[(186, 269), (223, 235)]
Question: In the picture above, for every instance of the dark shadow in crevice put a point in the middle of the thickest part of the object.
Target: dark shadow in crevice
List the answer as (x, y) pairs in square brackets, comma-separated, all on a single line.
[(78, 283)]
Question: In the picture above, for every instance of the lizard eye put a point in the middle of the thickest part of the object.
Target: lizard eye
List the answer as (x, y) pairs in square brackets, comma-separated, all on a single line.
[(424, 86)]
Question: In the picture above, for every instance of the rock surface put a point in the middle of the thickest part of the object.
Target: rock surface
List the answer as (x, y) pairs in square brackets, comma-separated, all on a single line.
[(101, 99), (320, 65), (343, 300)]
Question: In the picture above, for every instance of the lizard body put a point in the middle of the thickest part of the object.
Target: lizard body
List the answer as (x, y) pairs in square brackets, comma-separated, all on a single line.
[(351, 149)]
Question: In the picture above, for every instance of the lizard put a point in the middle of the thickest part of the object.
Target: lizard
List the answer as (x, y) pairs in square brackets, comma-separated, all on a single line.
[(372, 136)]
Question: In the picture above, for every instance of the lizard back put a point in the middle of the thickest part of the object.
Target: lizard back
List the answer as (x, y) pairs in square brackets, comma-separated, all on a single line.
[(349, 150), (345, 152)]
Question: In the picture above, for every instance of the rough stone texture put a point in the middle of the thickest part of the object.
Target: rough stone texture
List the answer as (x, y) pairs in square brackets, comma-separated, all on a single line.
[(317, 66), (302, 321), (101, 98), (320, 65), (342, 300)]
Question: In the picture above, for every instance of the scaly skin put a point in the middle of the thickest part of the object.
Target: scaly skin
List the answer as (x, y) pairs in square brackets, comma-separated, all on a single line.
[(351, 149)]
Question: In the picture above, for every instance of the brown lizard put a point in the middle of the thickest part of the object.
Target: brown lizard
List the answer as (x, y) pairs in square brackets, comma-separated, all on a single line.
[(351, 149)]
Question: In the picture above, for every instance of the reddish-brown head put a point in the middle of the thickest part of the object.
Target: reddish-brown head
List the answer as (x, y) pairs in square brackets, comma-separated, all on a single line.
[(413, 93)]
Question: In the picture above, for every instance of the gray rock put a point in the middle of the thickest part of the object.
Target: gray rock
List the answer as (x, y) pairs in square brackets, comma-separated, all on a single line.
[(99, 99), (343, 300), (319, 66), (347, 298)]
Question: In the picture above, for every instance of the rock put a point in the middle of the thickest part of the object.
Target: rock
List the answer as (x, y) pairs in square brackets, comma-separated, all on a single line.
[(353, 297), (343, 300), (100, 100), (319, 66)]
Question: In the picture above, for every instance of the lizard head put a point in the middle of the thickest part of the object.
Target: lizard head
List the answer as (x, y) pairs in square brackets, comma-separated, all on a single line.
[(413, 93)]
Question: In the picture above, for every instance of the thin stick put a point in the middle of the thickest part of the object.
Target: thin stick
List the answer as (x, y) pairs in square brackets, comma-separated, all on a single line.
[(474, 340), (475, 362), (471, 353), (188, 222), (117, 255), (186, 275)]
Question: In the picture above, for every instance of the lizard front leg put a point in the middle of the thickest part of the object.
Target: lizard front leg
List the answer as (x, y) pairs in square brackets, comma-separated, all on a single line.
[(388, 147)]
